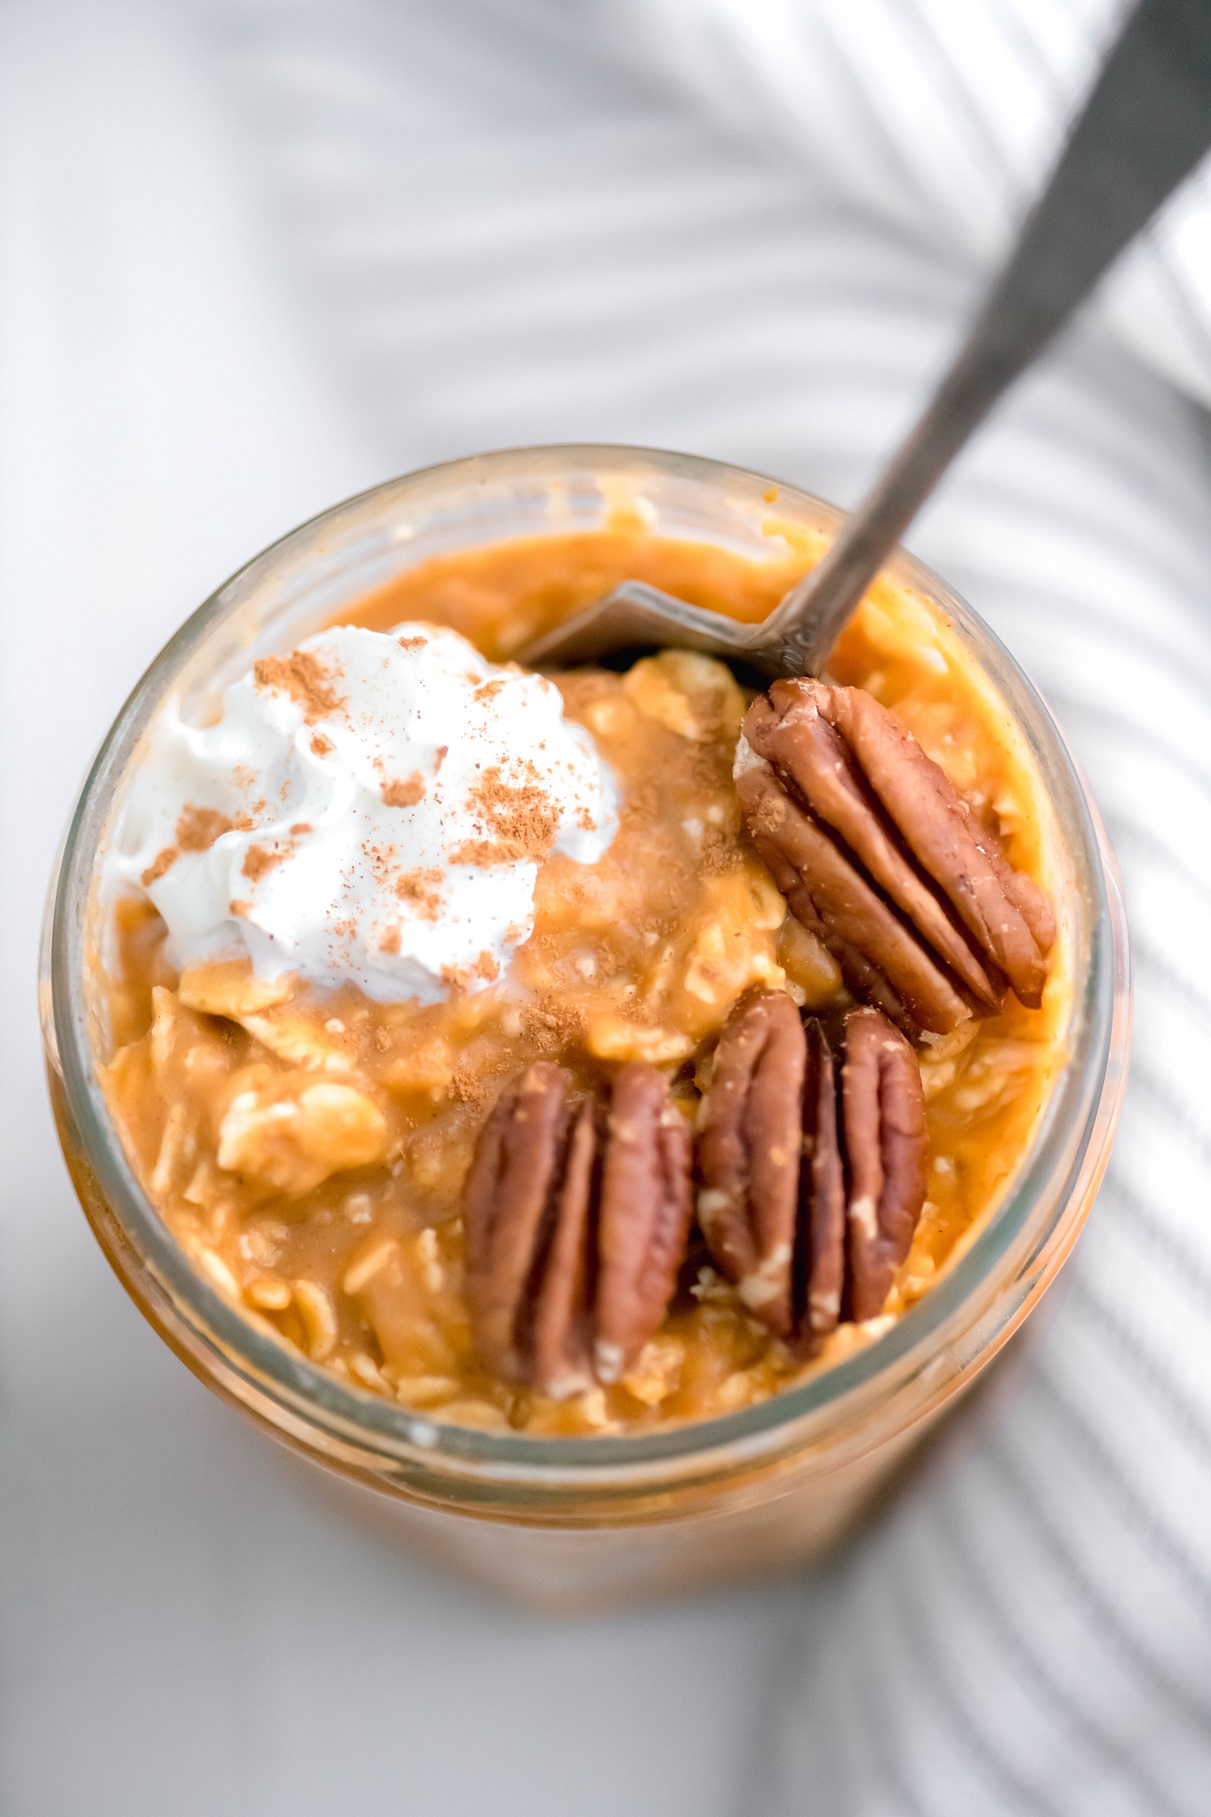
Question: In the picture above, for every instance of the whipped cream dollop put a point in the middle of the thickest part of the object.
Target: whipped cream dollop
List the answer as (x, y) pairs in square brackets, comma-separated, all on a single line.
[(370, 809)]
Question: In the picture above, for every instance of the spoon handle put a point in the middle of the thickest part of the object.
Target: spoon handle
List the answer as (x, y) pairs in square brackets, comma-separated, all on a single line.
[(1145, 125)]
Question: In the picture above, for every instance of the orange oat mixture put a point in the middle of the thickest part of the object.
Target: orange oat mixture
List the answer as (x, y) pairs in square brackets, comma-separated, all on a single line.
[(309, 1148)]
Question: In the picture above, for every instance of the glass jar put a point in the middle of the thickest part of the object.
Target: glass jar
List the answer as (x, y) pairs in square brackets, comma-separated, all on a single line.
[(586, 1520)]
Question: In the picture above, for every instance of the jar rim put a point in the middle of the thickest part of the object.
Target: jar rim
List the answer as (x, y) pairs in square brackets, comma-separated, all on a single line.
[(383, 1429)]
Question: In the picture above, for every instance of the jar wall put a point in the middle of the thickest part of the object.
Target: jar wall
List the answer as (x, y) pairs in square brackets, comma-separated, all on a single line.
[(592, 1520)]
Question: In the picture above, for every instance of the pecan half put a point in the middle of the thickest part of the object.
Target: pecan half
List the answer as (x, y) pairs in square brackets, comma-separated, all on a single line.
[(880, 958), (572, 1253), (804, 1228), (749, 1152), (646, 1207), (560, 1316), (526, 1211), (883, 1113), (821, 1260), (887, 863)]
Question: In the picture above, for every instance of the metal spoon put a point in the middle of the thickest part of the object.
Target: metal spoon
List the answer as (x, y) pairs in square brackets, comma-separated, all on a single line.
[(1145, 125)]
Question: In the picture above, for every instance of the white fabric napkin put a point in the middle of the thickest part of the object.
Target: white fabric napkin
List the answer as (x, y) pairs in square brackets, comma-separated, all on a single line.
[(1031, 1630), (942, 116)]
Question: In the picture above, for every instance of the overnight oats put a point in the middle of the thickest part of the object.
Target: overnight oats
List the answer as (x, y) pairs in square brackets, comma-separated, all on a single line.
[(579, 1054), (600, 1055)]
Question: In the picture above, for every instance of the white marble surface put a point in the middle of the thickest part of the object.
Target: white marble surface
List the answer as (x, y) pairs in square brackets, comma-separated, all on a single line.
[(185, 1627)]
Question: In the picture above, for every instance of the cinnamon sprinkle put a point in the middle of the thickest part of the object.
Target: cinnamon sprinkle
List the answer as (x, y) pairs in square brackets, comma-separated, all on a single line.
[(404, 794), (422, 889), (519, 820), (163, 861), (484, 852), (303, 676), (553, 1027), (258, 859), (198, 828)]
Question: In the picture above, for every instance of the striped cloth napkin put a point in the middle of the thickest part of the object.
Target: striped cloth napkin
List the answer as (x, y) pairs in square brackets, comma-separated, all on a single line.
[(1030, 1631), (752, 228)]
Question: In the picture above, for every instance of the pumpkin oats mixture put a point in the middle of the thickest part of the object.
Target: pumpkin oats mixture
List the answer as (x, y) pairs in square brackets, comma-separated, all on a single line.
[(337, 1161)]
